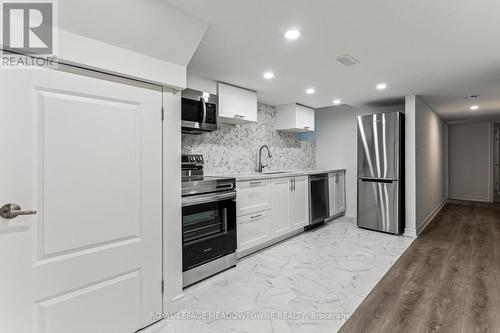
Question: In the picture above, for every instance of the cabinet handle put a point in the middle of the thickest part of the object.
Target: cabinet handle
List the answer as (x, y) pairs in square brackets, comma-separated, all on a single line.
[(307, 127), (255, 183), (239, 116), (256, 216)]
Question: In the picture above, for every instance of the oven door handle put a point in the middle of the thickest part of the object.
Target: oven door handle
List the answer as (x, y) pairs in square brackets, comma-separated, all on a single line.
[(205, 198)]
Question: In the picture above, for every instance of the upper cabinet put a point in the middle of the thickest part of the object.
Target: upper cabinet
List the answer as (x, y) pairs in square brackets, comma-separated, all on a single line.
[(294, 118), (236, 105)]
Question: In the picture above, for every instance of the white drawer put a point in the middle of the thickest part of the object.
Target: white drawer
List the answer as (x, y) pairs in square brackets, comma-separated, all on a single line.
[(253, 229), (253, 196)]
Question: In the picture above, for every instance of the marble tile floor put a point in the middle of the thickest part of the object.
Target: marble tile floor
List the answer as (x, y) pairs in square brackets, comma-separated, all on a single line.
[(310, 283)]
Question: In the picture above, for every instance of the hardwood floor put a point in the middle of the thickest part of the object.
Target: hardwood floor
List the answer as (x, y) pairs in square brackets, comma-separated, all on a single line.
[(448, 280)]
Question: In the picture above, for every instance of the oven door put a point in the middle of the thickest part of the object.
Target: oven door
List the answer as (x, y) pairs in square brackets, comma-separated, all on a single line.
[(208, 227), (192, 113)]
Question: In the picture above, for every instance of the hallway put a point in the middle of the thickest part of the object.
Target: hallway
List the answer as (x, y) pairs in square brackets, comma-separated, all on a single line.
[(448, 280)]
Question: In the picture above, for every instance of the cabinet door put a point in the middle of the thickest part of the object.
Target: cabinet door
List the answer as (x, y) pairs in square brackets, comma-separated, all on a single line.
[(332, 191), (299, 203), (280, 194), (237, 105), (340, 193), (305, 118), (253, 229)]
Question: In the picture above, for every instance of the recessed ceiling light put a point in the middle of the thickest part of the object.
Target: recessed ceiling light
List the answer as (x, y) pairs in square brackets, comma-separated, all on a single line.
[(292, 34), (310, 91), (337, 101), (268, 75), (381, 86), (474, 107)]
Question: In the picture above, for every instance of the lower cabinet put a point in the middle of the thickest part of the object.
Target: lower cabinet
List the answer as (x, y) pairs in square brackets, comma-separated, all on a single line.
[(290, 204), (253, 229), (280, 205), (336, 182), (287, 214), (299, 202)]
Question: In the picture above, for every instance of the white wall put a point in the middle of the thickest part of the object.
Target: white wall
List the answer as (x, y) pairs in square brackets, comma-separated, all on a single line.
[(149, 40), (410, 166), (430, 163), (470, 161), (150, 27), (89, 53), (200, 83), (336, 144)]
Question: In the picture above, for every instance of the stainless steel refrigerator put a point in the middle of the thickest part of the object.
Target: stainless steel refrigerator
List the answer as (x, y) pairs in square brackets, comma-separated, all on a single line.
[(381, 172)]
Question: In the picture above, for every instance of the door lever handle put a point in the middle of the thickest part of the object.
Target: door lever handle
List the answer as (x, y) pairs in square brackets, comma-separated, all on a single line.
[(12, 210)]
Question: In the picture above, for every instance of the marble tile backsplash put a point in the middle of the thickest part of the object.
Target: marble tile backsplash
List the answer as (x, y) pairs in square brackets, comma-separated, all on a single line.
[(234, 148)]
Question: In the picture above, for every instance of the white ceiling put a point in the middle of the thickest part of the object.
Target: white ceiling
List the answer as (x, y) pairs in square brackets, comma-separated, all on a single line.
[(151, 27), (441, 49)]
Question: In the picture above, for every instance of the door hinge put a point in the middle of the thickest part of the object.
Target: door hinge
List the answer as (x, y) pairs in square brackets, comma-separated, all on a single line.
[(162, 114), (162, 286)]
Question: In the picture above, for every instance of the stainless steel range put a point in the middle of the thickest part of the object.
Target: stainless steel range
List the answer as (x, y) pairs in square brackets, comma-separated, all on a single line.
[(208, 222)]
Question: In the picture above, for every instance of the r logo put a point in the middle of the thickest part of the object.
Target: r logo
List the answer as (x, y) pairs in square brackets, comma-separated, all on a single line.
[(28, 27)]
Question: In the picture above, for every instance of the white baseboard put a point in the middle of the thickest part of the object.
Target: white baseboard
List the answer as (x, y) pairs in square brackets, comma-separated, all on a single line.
[(467, 198), (268, 243), (178, 303), (351, 215), (431, 217), (410, 233)]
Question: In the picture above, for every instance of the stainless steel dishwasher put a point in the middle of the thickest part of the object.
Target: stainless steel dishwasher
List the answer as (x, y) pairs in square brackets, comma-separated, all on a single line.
[(318, 200)]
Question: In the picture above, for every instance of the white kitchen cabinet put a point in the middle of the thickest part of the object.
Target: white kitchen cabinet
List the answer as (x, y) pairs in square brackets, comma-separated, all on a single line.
[(260, 225), (280, 193), (336, 182), (236, 105), (290, 204), (294, 118), (253, 229), (253, 196), (299, 202)]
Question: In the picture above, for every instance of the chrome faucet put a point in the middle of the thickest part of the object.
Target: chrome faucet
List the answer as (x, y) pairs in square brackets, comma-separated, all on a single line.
[(261, 167)]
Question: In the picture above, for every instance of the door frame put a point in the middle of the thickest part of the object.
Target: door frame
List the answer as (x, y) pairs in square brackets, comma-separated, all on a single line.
[(494, 150)]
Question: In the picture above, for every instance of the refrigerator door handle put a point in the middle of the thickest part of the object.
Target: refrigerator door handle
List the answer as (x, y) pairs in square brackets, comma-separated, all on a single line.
[(378, 180)]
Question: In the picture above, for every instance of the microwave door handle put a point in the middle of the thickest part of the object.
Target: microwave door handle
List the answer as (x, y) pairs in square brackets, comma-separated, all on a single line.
[(204, 110)]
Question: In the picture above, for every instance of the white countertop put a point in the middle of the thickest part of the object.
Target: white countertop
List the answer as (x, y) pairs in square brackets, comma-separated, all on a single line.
[(276, 174)]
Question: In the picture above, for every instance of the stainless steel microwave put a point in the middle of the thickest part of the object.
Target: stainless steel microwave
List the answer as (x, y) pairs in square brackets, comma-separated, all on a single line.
[(199, 111)]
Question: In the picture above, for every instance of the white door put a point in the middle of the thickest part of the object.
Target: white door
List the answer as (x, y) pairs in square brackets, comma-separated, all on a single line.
[(299, 203), (86, 154), (280, 195)]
